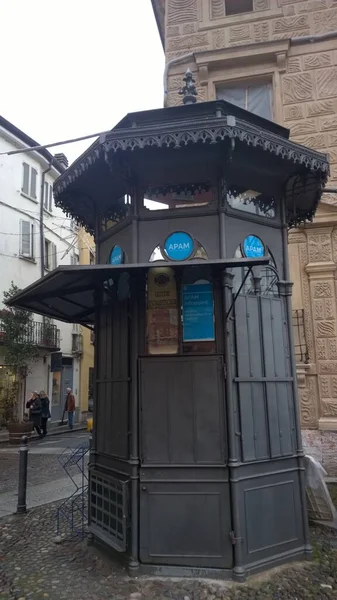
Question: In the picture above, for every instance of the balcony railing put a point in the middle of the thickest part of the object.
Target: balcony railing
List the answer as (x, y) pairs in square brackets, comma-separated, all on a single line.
[(300, 342), (42, 335)]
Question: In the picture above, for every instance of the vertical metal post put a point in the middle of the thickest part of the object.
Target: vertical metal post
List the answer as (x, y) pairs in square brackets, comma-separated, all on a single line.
[(23, 463), (134, 457), (233, 459), (287, 285)]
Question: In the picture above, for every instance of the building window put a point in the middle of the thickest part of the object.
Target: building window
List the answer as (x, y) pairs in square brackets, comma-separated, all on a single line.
[(26, 239), (50, 260), (74, 260), (48, 196), (29, 178), (92, 258), (255, 98), (236, 7)]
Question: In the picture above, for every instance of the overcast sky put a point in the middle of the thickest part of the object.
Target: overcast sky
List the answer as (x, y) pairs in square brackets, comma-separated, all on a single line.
[(75, 67)]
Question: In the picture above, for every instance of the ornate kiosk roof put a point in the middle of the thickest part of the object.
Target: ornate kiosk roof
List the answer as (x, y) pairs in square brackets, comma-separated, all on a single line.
[(143, 146)]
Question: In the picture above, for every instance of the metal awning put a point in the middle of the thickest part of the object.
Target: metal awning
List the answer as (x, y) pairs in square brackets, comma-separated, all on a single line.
[(68, 293)]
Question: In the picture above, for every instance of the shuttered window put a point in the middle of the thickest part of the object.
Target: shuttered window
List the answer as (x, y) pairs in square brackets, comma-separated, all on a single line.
[(26, 239), (29, 180), (50, 255), (54, 256), (48, 197)]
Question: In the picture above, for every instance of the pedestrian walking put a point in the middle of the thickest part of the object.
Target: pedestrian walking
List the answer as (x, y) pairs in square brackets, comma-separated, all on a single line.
[(35, 412), (70, 407), (45, 411)]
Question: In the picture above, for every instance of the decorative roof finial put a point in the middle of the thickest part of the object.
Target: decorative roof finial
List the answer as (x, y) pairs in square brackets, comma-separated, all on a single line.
[(189, 91)]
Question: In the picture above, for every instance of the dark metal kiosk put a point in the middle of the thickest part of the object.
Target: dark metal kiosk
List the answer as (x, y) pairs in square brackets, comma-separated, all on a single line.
[(196, 464)]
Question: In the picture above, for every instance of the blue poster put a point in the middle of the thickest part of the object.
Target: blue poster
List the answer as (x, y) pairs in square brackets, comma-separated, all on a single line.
[(253, 247), (198, 313)]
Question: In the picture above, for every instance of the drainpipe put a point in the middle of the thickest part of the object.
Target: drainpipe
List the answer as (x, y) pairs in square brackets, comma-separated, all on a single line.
[(321, 37), (43, 177), (169, 64)]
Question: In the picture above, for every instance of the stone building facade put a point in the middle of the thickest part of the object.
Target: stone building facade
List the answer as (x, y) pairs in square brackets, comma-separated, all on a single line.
[(278, 58)]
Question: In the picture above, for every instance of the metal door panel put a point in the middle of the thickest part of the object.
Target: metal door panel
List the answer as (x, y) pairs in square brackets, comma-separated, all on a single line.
[(186, 523), (176, 394)]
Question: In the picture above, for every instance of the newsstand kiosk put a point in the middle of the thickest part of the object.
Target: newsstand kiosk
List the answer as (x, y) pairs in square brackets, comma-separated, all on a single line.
[(197, 463)]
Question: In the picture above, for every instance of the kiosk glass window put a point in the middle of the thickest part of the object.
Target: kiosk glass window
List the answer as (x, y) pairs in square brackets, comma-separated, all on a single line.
[(119, 210), (179, 318), (251, 201), (178, 197), (162, 314)]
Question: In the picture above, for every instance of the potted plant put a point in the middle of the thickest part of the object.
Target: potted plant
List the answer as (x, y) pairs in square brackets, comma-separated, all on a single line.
[(20, 350)]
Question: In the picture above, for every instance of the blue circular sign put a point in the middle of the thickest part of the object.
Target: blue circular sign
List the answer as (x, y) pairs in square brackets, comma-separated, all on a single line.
[(116, 256), (253, 247), (179, 246)]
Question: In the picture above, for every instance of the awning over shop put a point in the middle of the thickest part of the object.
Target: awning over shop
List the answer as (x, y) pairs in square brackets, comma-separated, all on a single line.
[(68, 293)]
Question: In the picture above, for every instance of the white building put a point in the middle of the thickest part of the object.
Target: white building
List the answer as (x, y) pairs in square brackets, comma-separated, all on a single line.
[(36, 237)]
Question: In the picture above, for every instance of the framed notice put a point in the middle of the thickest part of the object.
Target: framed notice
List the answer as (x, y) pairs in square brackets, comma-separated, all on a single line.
[(198, 313)]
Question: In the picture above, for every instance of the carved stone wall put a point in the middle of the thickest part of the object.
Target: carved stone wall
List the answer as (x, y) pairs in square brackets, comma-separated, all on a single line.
[(316, 246), (304, 77), (304, 80)]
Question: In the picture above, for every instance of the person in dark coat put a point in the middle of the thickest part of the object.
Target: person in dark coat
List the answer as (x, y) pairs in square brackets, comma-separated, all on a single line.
[(70, 407), (45, 411), (35, 411)]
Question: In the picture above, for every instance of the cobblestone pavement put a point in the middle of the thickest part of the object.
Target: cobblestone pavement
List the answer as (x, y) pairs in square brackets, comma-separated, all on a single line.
[(34, 567), (43, 465)]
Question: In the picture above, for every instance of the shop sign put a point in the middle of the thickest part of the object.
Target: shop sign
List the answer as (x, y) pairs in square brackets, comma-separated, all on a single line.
[(116, 256), (179, 246), (253, 247)]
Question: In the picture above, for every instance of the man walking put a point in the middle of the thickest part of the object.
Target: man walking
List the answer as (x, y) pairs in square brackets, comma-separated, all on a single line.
[(70, 407)]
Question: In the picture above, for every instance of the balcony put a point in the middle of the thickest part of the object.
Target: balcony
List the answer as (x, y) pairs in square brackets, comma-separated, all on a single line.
[(46, 337)]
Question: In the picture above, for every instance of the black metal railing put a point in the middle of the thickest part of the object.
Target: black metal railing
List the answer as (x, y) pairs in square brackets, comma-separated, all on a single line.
[(300, 342), (40, 334)]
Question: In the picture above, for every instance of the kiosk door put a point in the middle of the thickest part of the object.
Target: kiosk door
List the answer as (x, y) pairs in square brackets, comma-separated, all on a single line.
[(184, 492)]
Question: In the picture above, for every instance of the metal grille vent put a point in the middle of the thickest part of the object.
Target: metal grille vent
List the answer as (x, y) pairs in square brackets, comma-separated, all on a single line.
[(108, 510)]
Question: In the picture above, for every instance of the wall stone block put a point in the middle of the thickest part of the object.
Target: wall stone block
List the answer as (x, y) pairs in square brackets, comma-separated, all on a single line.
[(317, 61), (293, 112), (303, 127), (297, 88), (324, 107), (326, 83), (324, 21)]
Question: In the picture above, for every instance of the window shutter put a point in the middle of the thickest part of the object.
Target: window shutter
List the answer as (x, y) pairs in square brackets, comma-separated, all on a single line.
[(25, 178), (33, 177), (32, 240), (54, 256), (50, 198), (25, 238), (45, 197)]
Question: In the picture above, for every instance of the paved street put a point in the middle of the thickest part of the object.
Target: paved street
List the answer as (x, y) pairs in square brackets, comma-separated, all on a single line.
[(46, 479), (34, 567)]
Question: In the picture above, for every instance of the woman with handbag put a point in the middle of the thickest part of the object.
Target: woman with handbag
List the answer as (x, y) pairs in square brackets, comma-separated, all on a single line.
[(35, 412)]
